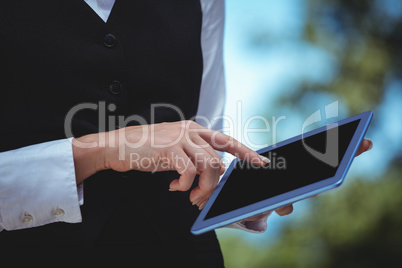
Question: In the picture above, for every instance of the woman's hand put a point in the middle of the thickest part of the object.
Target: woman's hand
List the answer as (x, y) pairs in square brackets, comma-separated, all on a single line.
[(183, 146)]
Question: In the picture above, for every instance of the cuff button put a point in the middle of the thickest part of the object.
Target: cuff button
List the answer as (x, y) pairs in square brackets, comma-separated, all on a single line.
[(58, 212), (27, 219)]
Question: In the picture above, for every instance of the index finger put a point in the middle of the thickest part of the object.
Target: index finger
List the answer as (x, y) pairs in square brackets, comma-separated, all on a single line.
[(225, 143)]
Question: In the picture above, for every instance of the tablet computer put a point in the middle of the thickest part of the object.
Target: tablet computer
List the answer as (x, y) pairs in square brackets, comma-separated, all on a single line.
[(300, 167)]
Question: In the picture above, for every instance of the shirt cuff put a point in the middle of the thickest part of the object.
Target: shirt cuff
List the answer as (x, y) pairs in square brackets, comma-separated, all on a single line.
[(257, 227), (38, 186)]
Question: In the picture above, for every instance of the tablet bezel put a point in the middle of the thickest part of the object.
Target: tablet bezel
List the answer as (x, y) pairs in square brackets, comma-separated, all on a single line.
[(202, 225)]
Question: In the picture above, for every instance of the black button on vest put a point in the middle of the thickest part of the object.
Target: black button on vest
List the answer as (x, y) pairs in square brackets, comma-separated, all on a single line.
[(109, 40), (115, 87)]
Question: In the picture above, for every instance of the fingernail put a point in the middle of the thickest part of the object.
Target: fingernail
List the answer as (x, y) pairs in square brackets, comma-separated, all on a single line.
[(172, 190), (196, 201), (371, 145), (264, 159), (202, 205)]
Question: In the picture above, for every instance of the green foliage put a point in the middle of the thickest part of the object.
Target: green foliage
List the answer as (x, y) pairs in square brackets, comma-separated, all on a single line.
[(367, 46)]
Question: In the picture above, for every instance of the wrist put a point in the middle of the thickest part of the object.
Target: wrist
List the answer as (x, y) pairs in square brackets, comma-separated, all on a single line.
[(88, 156)]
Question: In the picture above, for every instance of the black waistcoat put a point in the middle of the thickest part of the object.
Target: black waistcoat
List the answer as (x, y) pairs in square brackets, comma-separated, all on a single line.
[(59, 54)]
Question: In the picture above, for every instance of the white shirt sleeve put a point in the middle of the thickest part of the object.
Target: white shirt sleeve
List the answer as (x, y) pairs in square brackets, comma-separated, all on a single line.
[(37, 186), (256, 227), (213, 93)]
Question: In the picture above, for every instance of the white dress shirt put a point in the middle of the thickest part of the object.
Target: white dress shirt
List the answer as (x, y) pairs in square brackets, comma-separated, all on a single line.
[(37, 183)]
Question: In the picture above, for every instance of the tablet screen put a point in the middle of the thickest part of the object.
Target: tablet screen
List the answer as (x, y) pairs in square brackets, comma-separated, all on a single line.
[(292, 166)]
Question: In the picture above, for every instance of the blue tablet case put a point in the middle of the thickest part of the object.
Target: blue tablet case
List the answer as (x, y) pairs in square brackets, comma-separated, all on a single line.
[(204, 224)]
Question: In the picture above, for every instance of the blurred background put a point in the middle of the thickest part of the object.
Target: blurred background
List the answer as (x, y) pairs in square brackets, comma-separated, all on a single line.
[(286, 59)]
